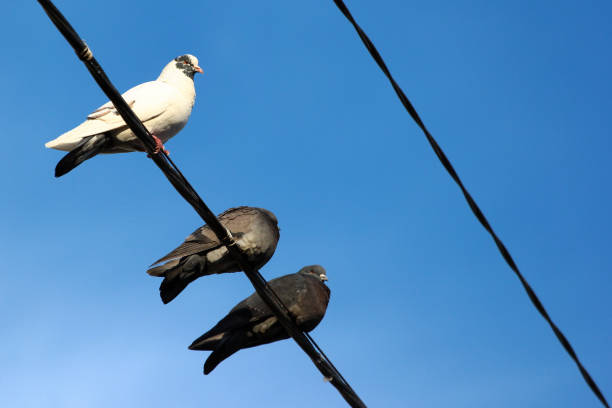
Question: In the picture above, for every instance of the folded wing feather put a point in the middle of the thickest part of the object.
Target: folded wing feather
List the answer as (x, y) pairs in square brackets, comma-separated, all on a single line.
[(147, 100)]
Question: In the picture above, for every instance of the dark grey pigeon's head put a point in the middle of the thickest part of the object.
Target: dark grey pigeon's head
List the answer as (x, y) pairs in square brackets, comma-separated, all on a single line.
[(188, 64), (314, 270)]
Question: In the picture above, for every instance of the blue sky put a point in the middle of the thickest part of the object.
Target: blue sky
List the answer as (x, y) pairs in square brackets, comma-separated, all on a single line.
[(293, 115)]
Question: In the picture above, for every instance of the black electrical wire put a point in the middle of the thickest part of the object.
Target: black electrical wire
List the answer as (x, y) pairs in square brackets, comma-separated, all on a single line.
[(475, 209), (181, 184)]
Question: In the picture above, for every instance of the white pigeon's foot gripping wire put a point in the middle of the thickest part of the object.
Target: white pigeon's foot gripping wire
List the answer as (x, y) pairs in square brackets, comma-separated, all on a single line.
[(159, 146)]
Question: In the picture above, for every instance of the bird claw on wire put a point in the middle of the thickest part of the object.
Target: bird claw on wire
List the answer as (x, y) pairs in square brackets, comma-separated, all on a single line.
[(159, 146)]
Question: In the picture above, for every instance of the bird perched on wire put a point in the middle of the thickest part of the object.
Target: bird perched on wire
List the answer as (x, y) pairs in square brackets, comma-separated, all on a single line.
[(251, 323), (255, 230), (163, 106)]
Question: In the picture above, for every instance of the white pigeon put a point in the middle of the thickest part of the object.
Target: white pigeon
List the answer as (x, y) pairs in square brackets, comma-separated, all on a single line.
[(163, 106)]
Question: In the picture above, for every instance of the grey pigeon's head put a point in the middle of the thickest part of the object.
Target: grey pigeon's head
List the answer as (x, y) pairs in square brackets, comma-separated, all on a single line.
[(188, 64), (273, 220), (314, 270)]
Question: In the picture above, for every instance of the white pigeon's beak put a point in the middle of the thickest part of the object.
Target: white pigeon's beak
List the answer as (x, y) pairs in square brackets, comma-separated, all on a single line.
[(198, 69), (323, 277)]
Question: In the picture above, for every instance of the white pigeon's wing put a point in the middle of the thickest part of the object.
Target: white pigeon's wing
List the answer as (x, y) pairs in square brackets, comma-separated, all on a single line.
[(147, 100)]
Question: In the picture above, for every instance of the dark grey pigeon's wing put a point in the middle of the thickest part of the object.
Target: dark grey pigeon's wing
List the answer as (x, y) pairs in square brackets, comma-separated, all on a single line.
[(251, 323), (310, 304), (244, 315)]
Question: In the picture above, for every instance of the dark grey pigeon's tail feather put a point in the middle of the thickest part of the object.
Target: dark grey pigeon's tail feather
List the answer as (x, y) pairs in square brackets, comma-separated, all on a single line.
[(236, 320), (226, 348), (209, 343), (86, 150)]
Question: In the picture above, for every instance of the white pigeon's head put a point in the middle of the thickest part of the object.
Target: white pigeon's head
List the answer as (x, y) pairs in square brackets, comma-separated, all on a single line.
[(180, 67)]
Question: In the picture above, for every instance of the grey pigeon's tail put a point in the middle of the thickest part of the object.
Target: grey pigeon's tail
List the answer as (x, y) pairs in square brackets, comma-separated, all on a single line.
[(177, 275), (88, 148)]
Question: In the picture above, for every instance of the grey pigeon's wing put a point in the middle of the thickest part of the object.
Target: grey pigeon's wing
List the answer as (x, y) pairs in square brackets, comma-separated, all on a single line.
[(202, 239)]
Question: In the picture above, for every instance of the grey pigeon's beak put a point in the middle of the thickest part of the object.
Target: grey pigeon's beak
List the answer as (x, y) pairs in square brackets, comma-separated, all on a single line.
[(198, 69), (323, 277)]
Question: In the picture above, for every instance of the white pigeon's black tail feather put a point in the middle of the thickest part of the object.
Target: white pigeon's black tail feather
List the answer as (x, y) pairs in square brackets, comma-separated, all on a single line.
[(88, 148)]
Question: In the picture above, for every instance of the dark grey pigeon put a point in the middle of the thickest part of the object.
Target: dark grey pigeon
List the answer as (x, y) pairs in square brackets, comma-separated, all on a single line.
[(254, 229), (251, 323)]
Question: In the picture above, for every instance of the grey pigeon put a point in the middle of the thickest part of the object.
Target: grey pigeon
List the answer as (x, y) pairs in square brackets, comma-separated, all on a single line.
[(251, 323), (255, 231), (163, 105)]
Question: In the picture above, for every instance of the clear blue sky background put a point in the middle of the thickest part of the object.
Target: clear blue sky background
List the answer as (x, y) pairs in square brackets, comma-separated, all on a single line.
[(294, 116)]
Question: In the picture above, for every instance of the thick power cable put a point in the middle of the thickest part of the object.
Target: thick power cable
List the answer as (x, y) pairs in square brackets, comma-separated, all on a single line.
[(188, 192), (475, 209)]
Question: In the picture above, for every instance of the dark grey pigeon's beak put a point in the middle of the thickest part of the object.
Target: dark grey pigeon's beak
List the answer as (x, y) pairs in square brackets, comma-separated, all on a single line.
[(323, 277)]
